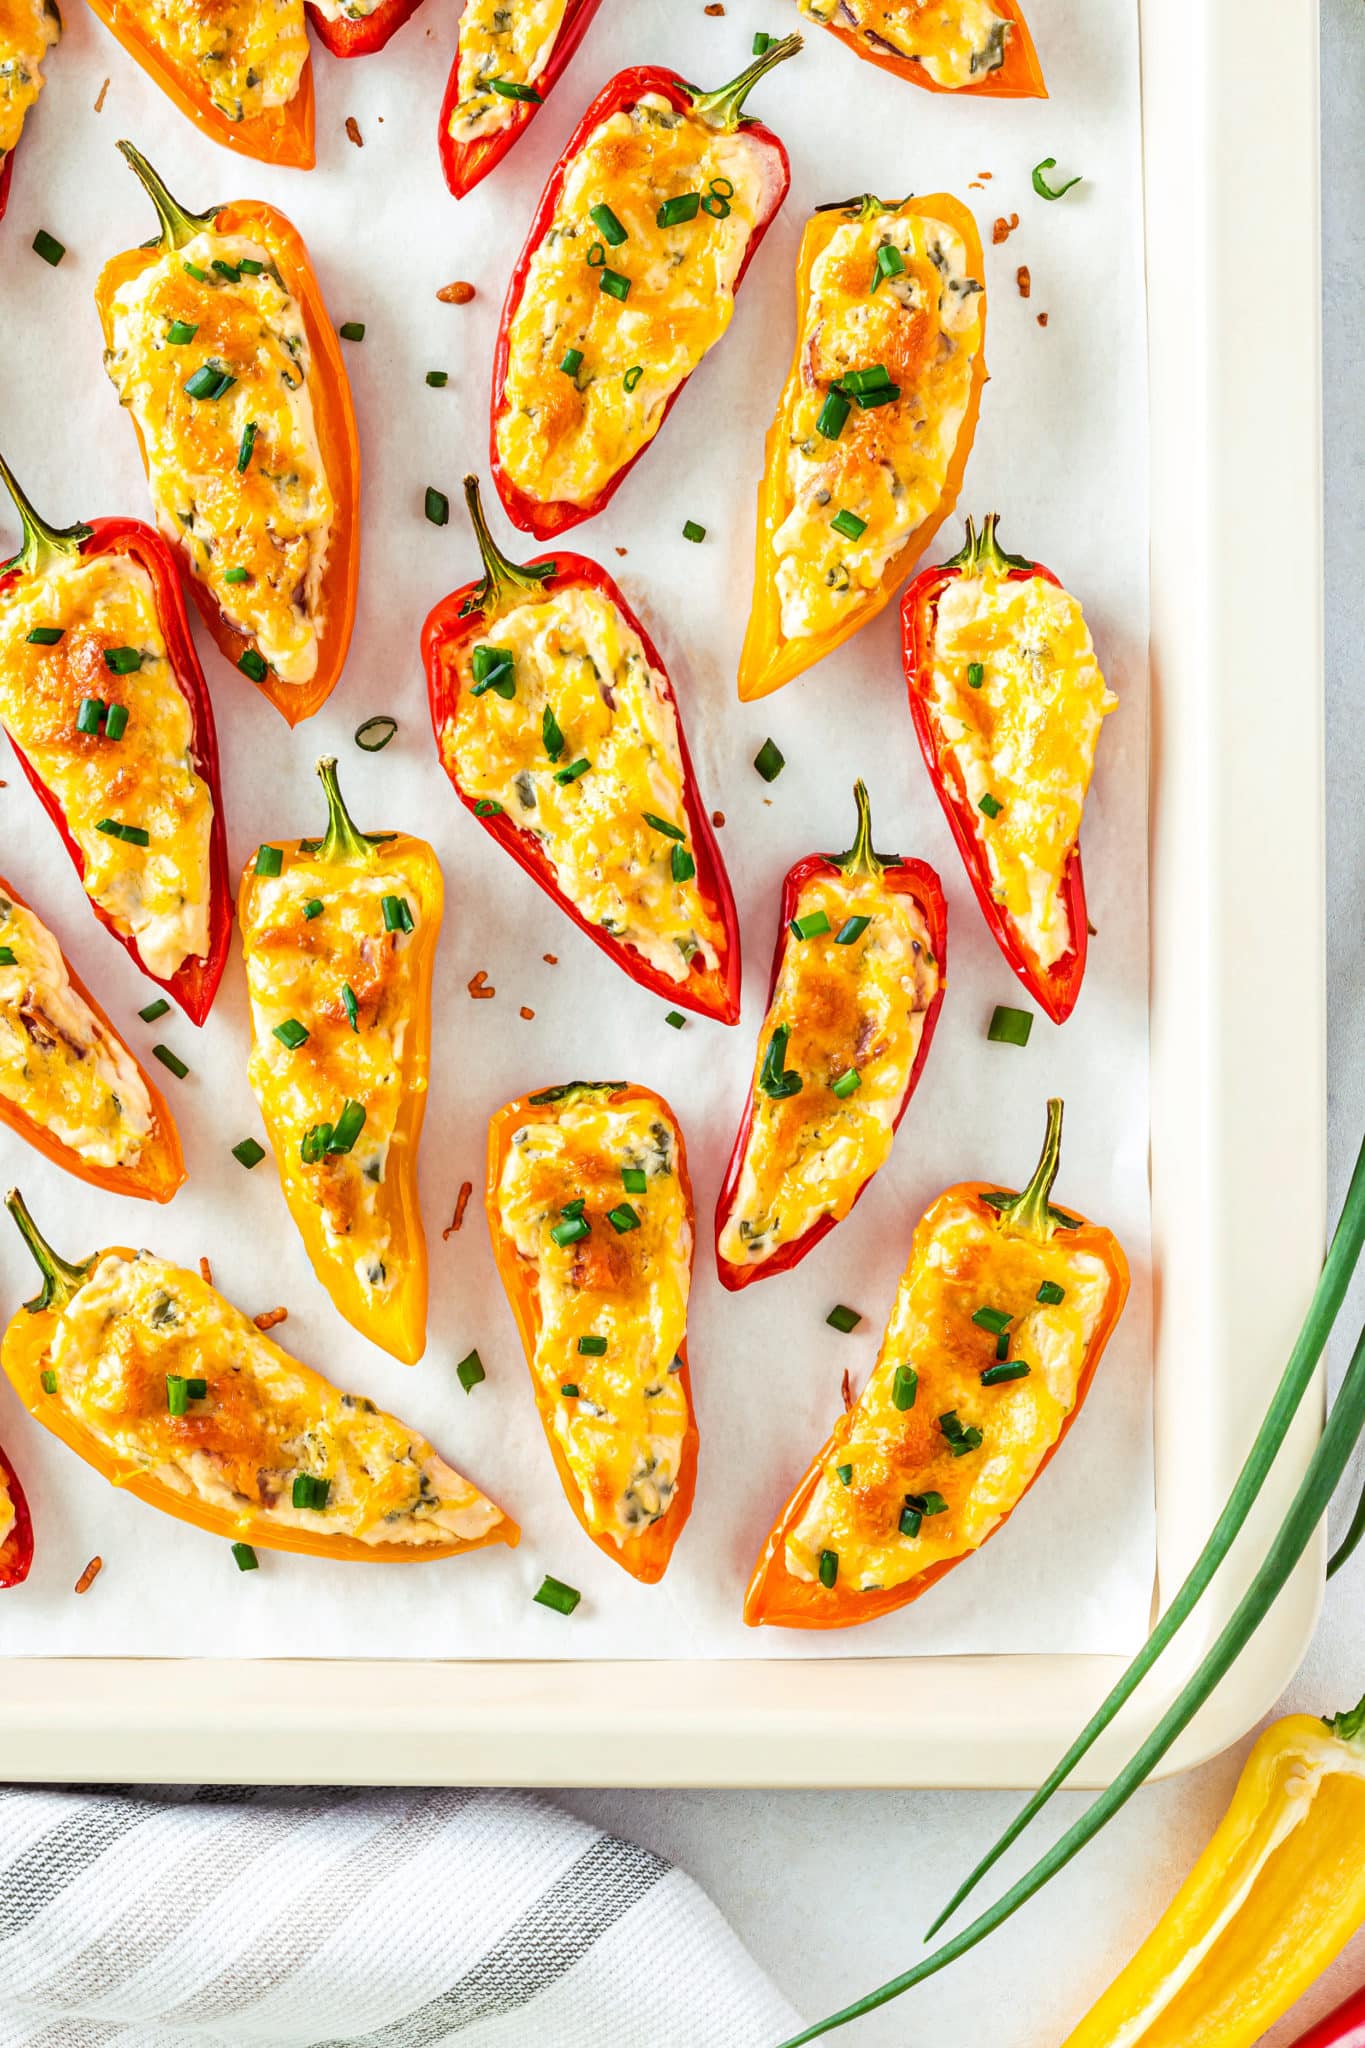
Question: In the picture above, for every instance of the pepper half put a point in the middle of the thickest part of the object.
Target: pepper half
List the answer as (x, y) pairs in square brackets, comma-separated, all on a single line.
[(607, 372), (1028, 726), (339, 939), (1016, 75), (16, 1527), (897, 1497), (466, 162), (233, 454), (174, 1396), (491, 658), (22, 64), (591, 1216), (275, 135), (361, 35), (59, 673), (1275, 1896), (890, 327), (857, 931), (48, 1040)]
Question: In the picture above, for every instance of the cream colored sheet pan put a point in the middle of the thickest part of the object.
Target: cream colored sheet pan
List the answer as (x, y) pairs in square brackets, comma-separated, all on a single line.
[(1237, 1135)]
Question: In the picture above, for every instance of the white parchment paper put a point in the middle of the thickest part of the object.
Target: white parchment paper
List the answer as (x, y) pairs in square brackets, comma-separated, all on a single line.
[(1061, 452)]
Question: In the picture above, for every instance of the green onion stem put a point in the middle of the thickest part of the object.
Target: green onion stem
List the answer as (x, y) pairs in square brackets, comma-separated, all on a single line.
[(342, 841), (722, 108), (1349, 1542), (504, 582), (60, 1280), (40, 541), (177, 226)]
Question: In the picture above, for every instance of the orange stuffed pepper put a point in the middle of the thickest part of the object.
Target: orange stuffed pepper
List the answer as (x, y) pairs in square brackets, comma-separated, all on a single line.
[(28, 30), (982, 47), (1001, 1318), (866, 456), (590, 1212), (219, 344)]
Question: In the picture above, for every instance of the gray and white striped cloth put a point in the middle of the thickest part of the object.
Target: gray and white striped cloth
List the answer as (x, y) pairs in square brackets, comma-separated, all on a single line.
[(212, 1918)]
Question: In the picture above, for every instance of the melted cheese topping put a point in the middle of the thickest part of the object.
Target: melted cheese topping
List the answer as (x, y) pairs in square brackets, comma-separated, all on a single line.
[(28, 29), (858, 1008), (889, 466), (60, 1065), (563, 438), (298, 969), (246, 55), (893, 1454), (263, 1420), (273, 518), (158, 894), (577, 657), (958, 42), (622, 1432), (1025, 739), (510, 40)]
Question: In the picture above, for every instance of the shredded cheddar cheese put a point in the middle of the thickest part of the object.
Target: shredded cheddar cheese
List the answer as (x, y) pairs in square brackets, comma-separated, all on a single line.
[(28, 29), (508, 40)]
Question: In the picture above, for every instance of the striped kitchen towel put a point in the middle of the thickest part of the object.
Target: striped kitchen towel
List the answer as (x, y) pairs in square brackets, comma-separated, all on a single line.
[(211, 1918)]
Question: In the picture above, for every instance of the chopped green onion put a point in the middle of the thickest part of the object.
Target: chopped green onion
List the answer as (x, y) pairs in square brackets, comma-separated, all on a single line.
[(437, 506), (313, 1145), (917, 1506), (691, 530), (682, 864), (852, 930), (662, 825), (633, 376), (1051, 1293), (576, 1207), (1009, 1027), (248, 1153), (438, 379), (675, 1018), (123, 661), (890, 263), (551, 738), (49, 1381), (154, 1010), (623, 1218), (991, 805), (48, 247), (847, 1084), (833, 414), (569, 1389), (904, 1387), (882, 394), (554, 1593), (608, 226), (993, 1319), (180, 332), (910, 1521), (571, 362), (1040, 184), (634, 1180), (131, 835), (352, 330), (249, 267), (349, 1125), (253, 665), (511, 89), (858, 383), (308, 1492), (572, 1231), (90, 715), (959, 1437), (672, 214), (193, 270), (849, 525), (573, 771), (469, 1372), (374, 735), (998, 1375), (197, 1389), (493, 668), (247, 443), (228, 270), (592, 1347), (762, 43), (1002, 1345), (269, 860), (829, 1567), (845, 1320), (351, 1006), (774, 1077), (811, 926), (976, 675), (397, 915), (487, 808), (115, 721), (177, 1394), (8, 957), (210, 381), (236, 575), (613, 284), (770, 761), (291, 1033), (245, 1557), (845, 1474), (313, 907), (45, 636)]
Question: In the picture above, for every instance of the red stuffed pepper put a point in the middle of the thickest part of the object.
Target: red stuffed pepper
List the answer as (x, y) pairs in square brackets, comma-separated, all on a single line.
[(104, 702), (16, 1528), (557, 725), (28, 30), (509, 56), (1008, 699), (857, 985), (640, 242), (348, 31)]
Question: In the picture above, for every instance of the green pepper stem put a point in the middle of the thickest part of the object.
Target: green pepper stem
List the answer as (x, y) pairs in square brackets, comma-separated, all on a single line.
[(982, 553), (343, 841), (40, 542), (60, 1280), (504, 582), (861, 859), (1349, 1727), (177, 226), (723, 108), (1030, 1212), (866, 205)]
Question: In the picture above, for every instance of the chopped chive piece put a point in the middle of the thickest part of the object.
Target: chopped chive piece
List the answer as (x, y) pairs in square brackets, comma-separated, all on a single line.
[(469, 1372), (177, 1394), (849, 525), (691, 530), (775, 1078), (397, 916), (623, 1218), (247, 443), (686, 206), (573, 771), (131, 835), (904, 1387), (209, 381), (197, 1389), (1051, 1293), (592, 1347), (1040, 184), (45, 636), (682, 864), (676, 1019), (833, 415), (180, 332), (511, 89), (571, 1231), (576, 1207), (269, 860), (291, 1033), (1002, 1346), (245, 1558), (486, 808), (228, 270), (997, 1375), (116, 721), (552, 739), (829, 1567), (123, 661), (154, 1010), (662, 825), (90, 715), (349, 1125), (613, 284), (249, 267), (253, 665), (845, 1473), (634, 1180), (770, 761), (374, 735), (843, 1319), (351, 1006), (438, 379), (313, 1145), (571, 362), (313, 908), (993, 1319), (811, 926), (1009, 1027), (890, 263), (608, 226), (569, 1389), (976, 675), (554, 1593), (308, 1492), (851, 931), (193, 270), (911, 1519), (48, 247), (49, 1379), (959, 1437), (761, 44), (858, 383), (437, 506), (991, 805), (248, 1153), (352, 330), (493, 669), (848, 1083), (8, 957), (633, 376)]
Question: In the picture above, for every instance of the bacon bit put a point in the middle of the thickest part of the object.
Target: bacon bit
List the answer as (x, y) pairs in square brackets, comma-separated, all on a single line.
[(527, 1014), (846, 1389), (717, 818), (985, 174), (1092, 929), (1024, 279), (714, 8), (353, 130), (622, 551), (457, 294), (975, 185), (1004, 227), (478, 987), (270, 1317), (1042, 319), (206, 1272), (461, 1204), (99, 103), (550, 959), (89, 1575)]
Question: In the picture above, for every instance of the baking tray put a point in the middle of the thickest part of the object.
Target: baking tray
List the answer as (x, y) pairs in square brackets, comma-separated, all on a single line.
[(1237, 1118)]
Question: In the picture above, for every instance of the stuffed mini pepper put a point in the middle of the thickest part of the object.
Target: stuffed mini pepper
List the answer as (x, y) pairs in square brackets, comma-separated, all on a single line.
[(358, 28), (1008, 700), (590, 1210), (628, 277), (69, 1086), (867, 453), (173, 1395), (339, 938), (218, 343), (857, 986), (28, 30), (16, 1528), (509, 56), (1000, 1321), (104, 702), (981, 47), (556, 722)]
